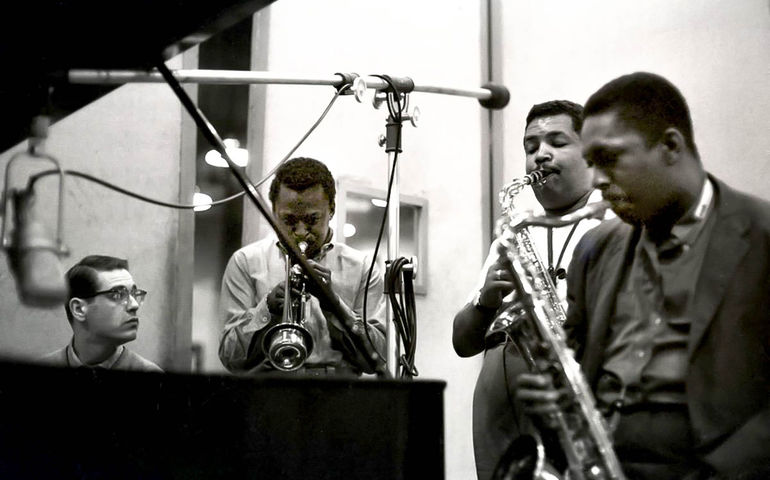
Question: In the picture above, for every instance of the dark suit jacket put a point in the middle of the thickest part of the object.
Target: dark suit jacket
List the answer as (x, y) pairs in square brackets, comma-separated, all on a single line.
[(728, 377)]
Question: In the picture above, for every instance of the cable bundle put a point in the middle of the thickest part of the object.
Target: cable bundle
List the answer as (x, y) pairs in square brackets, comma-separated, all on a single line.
[(404, 312)]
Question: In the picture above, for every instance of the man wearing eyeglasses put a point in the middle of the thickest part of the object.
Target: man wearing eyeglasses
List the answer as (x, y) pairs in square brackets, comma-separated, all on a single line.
[(102, 310)]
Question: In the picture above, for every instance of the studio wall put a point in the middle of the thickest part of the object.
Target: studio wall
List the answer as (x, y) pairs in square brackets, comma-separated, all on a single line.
[(434, 43), (130, 137), (715, 51)]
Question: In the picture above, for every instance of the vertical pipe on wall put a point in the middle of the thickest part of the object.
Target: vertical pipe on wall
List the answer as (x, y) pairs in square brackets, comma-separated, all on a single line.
[(491, 121), (178, 358), (255, 130)]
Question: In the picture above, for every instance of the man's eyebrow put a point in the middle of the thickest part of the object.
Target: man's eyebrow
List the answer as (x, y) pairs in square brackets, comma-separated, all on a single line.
[(550, 134)]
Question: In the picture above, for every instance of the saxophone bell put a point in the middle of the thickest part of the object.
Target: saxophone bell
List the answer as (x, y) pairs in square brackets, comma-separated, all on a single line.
[(288, 344)]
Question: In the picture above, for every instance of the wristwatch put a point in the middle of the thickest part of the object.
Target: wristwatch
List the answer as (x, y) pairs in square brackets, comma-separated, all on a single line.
[(482, 308)]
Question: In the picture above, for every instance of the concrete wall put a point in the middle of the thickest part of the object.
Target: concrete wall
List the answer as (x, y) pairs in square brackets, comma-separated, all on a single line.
[(130, 137)]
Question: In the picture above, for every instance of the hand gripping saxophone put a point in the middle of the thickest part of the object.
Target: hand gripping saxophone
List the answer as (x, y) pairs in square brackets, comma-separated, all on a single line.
[(534, 324), (288, 344)]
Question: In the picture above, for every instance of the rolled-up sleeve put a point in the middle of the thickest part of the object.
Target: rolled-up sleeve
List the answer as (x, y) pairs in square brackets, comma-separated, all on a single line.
[(245, 313), (375, 306)]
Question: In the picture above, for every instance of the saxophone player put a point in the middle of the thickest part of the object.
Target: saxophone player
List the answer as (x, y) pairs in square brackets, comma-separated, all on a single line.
[(302, 194), (669, 305), (552, 146)]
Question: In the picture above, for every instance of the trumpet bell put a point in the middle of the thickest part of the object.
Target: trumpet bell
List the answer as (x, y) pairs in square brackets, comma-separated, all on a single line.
[(287, 346)]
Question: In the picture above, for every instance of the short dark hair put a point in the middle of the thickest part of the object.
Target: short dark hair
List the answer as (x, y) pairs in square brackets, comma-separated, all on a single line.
[(82, 277), (302, 173), (558, 107), (646, 102)]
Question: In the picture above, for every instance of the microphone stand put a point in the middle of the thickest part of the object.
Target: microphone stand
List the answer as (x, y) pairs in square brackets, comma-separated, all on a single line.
[(396, 89), (376, 362)]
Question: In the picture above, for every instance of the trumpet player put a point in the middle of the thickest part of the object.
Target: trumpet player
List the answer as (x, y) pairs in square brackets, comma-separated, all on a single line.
[(254, 284), (553, 148), (669, 305)]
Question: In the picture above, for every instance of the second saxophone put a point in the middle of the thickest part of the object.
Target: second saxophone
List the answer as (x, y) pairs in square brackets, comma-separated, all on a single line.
[(534, 324)]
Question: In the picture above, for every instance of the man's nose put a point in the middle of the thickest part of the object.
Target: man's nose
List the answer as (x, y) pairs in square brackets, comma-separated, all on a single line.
[(132, 304), (300, 230), (543, 154), (600, 179)]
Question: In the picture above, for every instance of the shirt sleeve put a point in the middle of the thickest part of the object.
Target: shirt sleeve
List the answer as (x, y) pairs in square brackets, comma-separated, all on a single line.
[(244, 311), (492, 257), (375, 306)]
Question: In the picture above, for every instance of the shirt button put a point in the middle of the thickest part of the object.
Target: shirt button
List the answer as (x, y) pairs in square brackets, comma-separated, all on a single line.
[(640, 353), (657, 321)]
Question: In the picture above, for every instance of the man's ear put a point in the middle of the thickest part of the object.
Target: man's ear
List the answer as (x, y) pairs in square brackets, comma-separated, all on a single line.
[(78, 307), (673, 144)]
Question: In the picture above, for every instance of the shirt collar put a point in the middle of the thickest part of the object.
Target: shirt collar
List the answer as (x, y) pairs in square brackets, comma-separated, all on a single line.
[(74, 361), (686, 230), (689, 226)]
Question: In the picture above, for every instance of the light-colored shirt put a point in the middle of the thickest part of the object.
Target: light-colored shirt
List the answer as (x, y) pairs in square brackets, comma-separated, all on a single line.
[(122, 359), (254, 270), (563, 242)]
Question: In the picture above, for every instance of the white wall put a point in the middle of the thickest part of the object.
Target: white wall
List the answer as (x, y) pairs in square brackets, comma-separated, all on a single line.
[(434, 43), (129, 137), (716, 51)]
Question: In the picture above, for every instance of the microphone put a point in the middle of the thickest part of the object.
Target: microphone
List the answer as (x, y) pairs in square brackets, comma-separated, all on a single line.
[(33, 254), (34, 258)]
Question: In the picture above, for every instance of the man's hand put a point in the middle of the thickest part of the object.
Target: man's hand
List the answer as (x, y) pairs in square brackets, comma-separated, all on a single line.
[(498, 282), (275, 300), (539, 397), (326, 277)]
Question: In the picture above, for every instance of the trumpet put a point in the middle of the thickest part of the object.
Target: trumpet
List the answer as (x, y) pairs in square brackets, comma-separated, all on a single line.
[(289, 343)]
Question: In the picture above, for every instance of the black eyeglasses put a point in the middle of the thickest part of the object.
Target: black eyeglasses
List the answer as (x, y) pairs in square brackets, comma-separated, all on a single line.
[(120, 294)]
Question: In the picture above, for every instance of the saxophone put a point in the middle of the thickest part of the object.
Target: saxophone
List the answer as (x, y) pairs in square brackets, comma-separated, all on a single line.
[(534, 325), (520, 241)]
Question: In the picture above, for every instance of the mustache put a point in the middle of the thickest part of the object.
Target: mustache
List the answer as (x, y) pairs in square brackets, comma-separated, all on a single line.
[(614, 196)]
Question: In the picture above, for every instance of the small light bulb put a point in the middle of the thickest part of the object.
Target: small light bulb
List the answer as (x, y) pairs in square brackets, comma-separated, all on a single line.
[(239, 156), (201, 201), (348, 230)]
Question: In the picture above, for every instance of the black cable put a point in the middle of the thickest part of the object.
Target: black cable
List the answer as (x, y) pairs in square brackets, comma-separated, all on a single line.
[(104, 183), (397, 117), (411, 316), (404, 313)]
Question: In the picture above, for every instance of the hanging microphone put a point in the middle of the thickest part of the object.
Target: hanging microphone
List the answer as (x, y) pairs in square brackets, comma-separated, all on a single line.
[(33, 254), (34, 257)]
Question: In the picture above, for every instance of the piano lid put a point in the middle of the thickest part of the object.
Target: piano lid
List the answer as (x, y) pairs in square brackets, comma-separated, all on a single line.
[(42, 39)]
